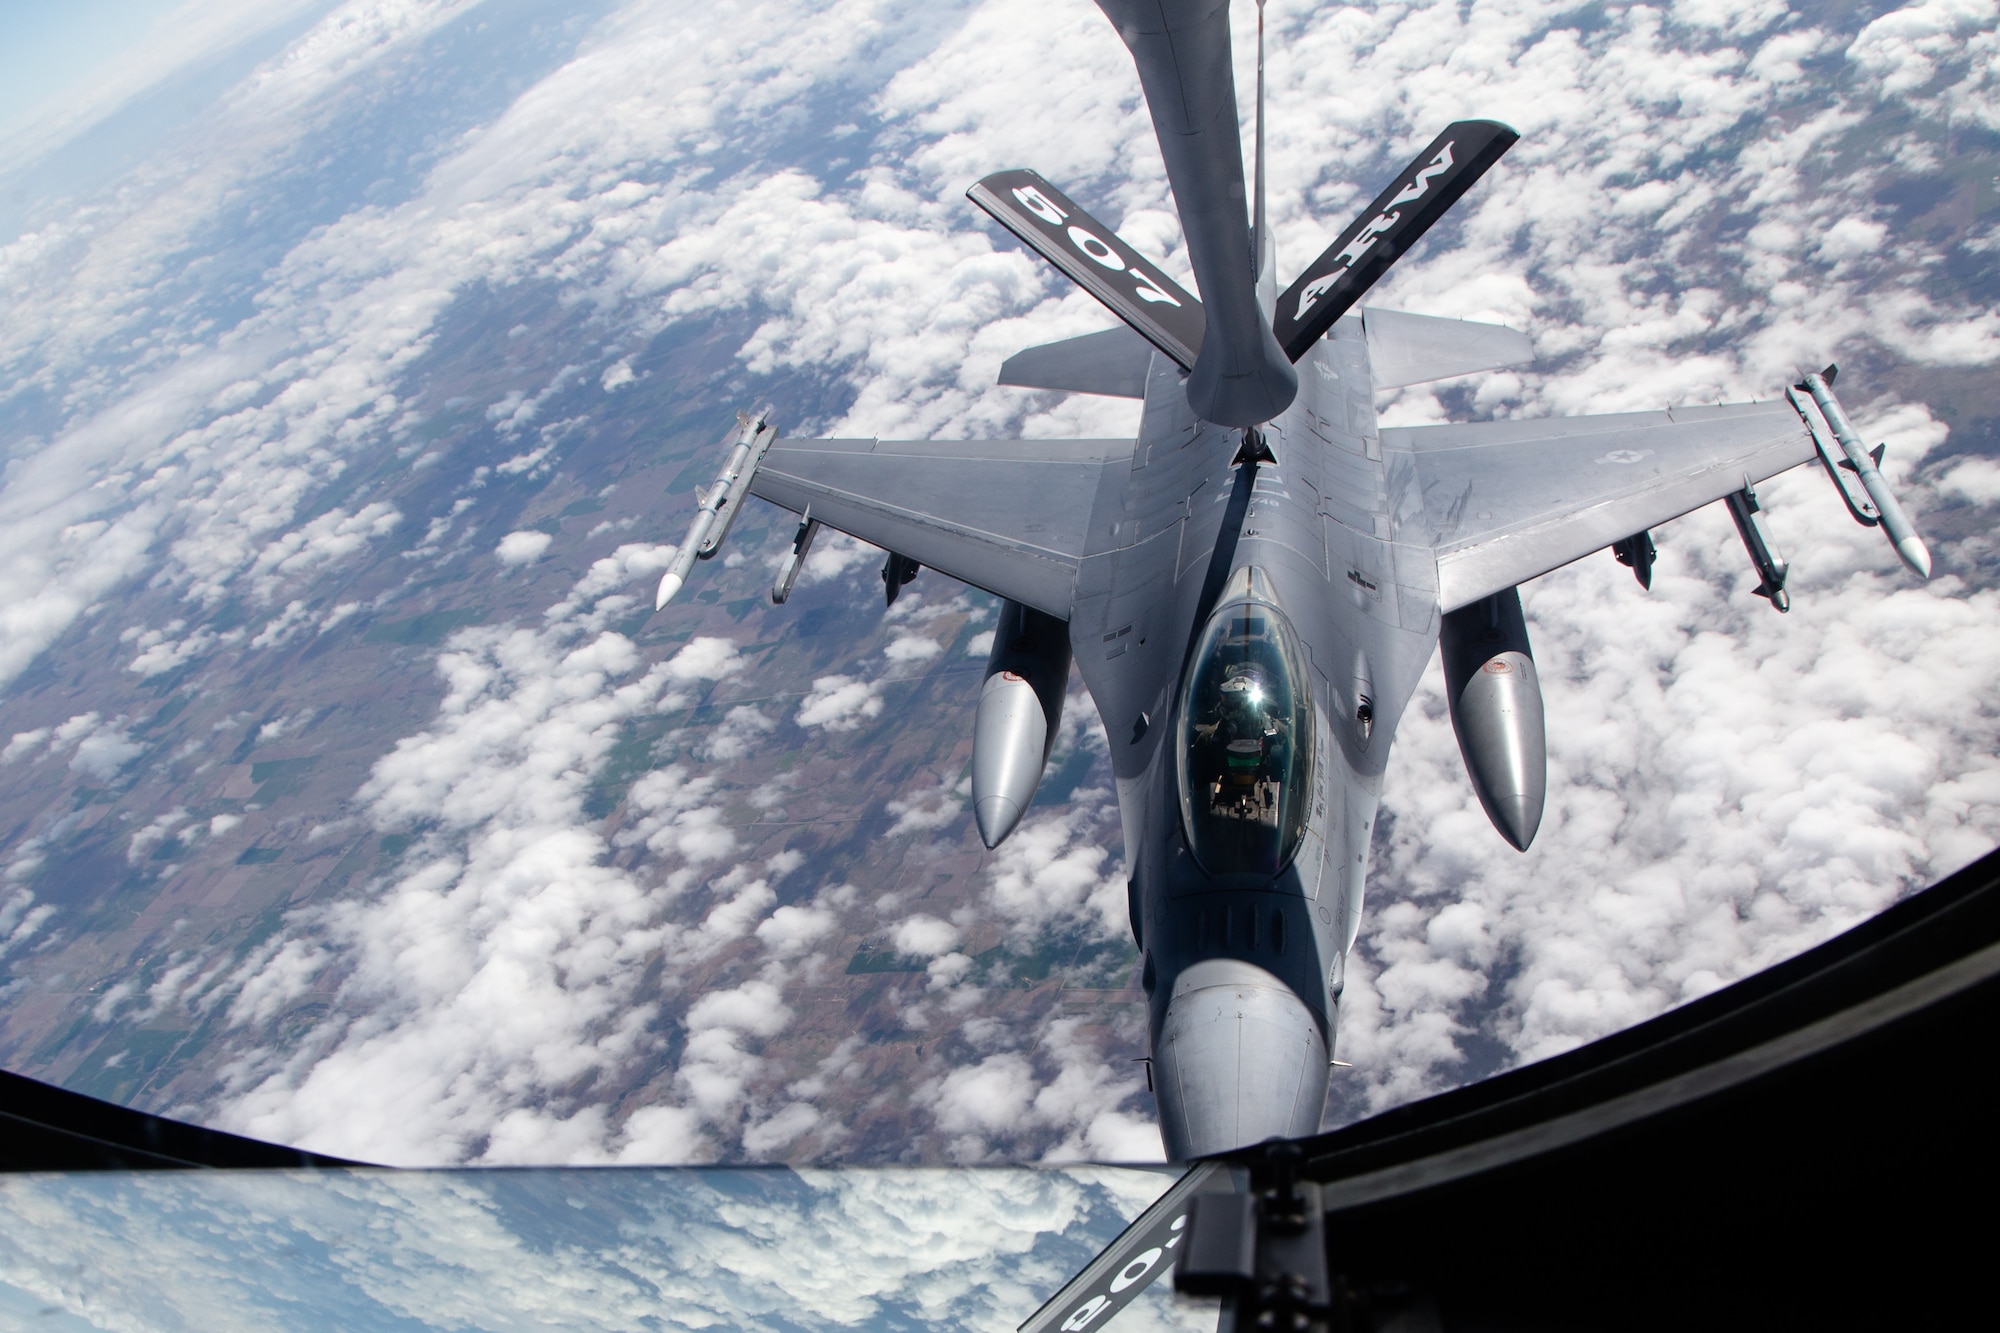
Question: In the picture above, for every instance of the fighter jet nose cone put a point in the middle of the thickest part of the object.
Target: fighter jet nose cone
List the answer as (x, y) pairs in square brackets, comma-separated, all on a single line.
[(1239, 1059), (1915, 554), (996, 816), (1517, 818), (669, 585)]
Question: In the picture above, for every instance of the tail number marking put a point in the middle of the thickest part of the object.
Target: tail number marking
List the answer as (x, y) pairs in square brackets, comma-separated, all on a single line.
[(1093, 247)]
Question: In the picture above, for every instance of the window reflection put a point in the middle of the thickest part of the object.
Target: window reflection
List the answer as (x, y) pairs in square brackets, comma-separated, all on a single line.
[(1246, 738)]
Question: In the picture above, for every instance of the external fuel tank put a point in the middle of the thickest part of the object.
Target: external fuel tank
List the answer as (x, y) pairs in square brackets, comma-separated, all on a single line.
[(1496, 709), (1020, 707)]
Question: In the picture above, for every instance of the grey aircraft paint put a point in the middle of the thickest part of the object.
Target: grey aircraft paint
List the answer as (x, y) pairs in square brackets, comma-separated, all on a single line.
[(1251, 606), (1242, 967)]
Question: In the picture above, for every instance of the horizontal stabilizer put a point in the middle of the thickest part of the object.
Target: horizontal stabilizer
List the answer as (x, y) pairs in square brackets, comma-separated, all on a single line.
[(1400, 215), (1414, 349), (1114, 363), (1091, 255)]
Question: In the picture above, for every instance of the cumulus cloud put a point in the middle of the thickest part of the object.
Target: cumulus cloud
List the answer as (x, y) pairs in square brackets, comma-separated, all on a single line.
[(146, 839), (280, 629), (985, 1107), (1974, 479), (768, 1137), (910, 648), (705, 657), (629, 564), (839, 703), (339, 614), (924, 936), (716, 1065), (102, 748), (894, 1248), (793, 930), (1056, 871), (161, 651), (522, 548), (20, 918), (739, 732), (674, 817), (500, 963), (331, 537), (930, 810)]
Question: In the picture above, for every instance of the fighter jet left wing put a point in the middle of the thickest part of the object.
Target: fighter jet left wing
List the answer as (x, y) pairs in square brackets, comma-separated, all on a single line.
[(1511, 500), (1008, 516)]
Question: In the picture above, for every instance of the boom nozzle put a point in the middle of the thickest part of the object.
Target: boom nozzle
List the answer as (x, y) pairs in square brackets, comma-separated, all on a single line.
[(1241, 377)]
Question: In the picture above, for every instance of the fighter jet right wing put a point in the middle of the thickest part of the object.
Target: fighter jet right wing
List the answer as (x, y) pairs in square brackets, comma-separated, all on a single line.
[(1510, 500), (1008, 516)]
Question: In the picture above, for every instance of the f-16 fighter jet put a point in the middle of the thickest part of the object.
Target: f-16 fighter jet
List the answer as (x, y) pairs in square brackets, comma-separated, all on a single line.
[(1252, 587)]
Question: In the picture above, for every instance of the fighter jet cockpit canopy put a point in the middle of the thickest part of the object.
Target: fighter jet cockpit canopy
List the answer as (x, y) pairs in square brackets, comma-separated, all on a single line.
[(1246, 736)]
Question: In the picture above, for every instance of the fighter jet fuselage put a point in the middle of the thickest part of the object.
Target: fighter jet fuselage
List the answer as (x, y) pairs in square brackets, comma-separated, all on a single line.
[(1252, 585), (1249, 639)]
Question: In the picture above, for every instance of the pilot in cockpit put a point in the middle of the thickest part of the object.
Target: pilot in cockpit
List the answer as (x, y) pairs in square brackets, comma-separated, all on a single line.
[(1245, 741)]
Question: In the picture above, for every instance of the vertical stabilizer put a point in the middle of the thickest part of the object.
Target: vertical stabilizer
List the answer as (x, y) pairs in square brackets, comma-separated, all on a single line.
[(1241, 377)]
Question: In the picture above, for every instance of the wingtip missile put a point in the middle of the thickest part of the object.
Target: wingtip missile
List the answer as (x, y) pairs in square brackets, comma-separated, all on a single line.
[(717, 506), (1863, 464), (1865, 467), (1915, 554)]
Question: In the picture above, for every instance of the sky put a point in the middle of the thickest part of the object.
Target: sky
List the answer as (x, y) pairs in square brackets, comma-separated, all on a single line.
[(55, 52), (65, 66), (1706, 200)]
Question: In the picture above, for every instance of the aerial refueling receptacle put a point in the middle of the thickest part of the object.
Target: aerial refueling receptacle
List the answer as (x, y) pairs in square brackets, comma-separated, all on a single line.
[(1496, 709), (1020, 707)]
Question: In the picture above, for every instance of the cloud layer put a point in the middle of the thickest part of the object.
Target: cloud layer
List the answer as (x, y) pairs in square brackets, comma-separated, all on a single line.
[(585, 926), (891, 1249)]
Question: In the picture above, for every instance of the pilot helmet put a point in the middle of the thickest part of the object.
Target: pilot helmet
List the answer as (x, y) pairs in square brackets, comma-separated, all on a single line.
[(1244, 688)]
